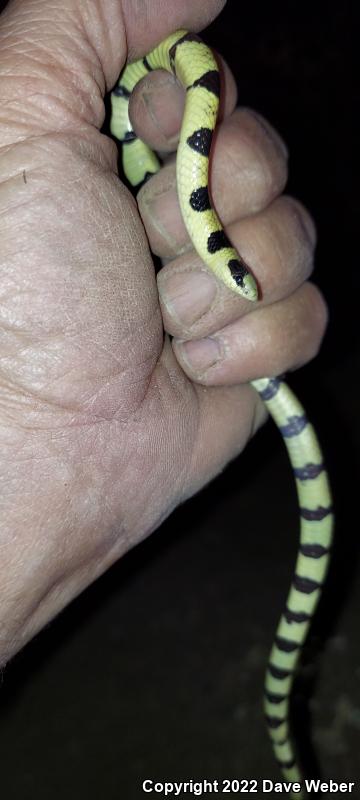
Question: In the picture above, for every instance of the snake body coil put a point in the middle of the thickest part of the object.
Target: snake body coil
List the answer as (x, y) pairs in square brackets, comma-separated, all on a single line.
[(194, 65)]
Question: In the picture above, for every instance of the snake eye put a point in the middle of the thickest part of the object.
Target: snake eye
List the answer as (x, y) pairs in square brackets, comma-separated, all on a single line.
[(238, 271)]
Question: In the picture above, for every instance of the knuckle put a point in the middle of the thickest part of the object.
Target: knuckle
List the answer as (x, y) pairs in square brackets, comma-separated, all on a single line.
[(301, 331), (319, 316), (302, 219), (268, 148), (295, 235), (267, 132), (249, 160), (229, 87), (314, 319)]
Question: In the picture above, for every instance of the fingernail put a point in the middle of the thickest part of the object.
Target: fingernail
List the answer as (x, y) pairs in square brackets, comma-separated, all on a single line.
[(187, 296), (171, 97), (201, 354)]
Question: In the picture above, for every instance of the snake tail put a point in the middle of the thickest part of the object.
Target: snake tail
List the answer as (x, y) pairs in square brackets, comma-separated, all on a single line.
[(316, 534), (193, 64)]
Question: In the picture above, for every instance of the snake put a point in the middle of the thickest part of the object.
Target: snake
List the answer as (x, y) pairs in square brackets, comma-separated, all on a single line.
[(194, 65)]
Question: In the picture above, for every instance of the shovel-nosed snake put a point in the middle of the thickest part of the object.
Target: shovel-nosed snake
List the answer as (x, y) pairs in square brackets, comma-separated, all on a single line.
[(193, 64)]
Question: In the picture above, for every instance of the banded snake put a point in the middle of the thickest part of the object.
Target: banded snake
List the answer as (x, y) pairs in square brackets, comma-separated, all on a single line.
[(193, 64)]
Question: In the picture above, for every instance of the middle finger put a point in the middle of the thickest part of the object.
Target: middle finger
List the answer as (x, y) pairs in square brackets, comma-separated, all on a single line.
[(278, 243), (248, 170)]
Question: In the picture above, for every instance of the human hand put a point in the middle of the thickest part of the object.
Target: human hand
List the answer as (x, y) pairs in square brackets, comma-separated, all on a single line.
[(104, 426)]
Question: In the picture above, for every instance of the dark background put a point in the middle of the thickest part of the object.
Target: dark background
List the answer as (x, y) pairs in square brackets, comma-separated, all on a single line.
[(156, 671)]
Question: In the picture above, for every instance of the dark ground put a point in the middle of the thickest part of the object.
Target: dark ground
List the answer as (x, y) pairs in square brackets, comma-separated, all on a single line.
[(157, 670)]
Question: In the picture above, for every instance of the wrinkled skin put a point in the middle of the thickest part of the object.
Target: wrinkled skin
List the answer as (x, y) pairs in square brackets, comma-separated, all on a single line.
[(105, 426)]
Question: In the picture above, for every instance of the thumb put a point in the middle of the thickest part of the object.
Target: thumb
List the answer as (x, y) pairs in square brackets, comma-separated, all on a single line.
[(60, 58)]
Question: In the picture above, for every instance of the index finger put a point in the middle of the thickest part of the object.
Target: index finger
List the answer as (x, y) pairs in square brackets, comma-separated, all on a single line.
[(157, 106)]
